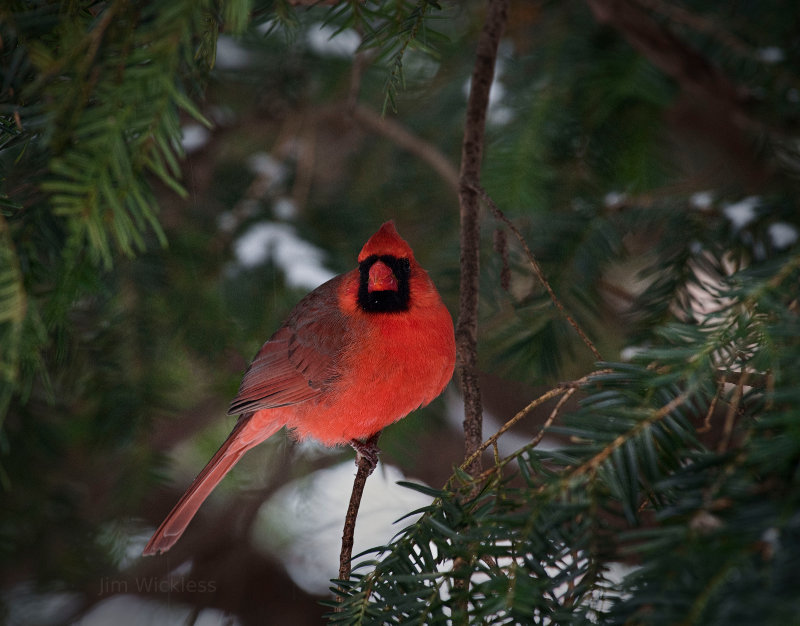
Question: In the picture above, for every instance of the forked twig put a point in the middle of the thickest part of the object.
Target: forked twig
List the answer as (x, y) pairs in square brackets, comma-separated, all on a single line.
[(552, 417), (553, 393), (565, 390)]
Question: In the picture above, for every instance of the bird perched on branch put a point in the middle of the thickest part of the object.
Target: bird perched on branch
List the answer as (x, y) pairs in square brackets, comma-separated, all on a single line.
[(358, 353)]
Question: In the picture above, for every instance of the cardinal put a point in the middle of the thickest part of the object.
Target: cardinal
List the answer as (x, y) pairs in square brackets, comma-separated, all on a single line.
[(358, 353)]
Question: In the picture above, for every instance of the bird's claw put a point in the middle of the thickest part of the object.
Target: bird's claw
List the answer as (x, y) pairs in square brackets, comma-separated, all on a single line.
[(367, 450)]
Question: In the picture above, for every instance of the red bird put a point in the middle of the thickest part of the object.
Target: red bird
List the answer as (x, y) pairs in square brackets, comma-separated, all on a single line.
[(359, 352)]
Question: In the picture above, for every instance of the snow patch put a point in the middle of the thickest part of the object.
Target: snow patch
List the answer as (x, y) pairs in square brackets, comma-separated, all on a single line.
[(743, 212), (770, 55), (701, 200), (193, 137), (782, 235), (326, 41), (498, 112), (230, 54), (284, 208), (303, 521), (300, 261), (614, 198), (265, 165), (133, 610)]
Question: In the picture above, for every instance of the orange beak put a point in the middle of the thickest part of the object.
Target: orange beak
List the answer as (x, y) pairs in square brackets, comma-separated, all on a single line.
[(381, 278)]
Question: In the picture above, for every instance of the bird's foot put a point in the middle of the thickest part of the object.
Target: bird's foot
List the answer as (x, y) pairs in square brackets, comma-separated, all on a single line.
[(367, 450)]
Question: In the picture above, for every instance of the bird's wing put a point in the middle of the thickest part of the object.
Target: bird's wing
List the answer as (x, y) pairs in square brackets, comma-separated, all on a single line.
[(301, 359)]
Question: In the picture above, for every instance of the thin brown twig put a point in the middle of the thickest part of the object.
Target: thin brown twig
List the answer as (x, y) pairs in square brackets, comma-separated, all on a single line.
[(96, 34), (480, 191), (552, 417), (710, 413), (549, 395), (393, 130), (730, 415), (365, 467), (407, 140), (360, 63), (306, 161), (598, 459), (567, 389), (498, 465)]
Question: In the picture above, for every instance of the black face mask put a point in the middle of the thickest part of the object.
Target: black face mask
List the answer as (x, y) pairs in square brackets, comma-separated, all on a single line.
[(389, 300)]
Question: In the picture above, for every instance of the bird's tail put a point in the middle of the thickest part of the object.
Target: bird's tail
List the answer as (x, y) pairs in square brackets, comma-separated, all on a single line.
[(229, 453)]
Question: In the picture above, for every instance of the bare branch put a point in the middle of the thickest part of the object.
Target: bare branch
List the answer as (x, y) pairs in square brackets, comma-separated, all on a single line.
[(471, 157), (405, 139), (365, 467)]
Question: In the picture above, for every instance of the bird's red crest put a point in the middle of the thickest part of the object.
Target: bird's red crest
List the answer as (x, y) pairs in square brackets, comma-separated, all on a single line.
[(386, 242)]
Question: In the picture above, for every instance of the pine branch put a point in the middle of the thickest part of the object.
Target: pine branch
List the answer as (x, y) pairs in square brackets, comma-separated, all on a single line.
[(391, 29)]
